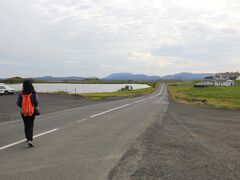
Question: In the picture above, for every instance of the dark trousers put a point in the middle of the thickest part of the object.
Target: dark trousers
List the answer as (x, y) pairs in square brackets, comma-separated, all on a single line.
[(28, 126)]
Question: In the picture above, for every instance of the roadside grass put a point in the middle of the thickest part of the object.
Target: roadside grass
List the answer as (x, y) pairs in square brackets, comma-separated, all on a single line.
[(121, 93), (220, 97)]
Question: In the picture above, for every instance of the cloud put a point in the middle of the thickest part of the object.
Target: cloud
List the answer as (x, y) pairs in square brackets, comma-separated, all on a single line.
[(72, 62), (165, 36), (106, 66), (10, 63)]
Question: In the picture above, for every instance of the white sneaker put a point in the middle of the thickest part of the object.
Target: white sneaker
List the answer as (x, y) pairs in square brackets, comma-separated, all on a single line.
[(30, 143)]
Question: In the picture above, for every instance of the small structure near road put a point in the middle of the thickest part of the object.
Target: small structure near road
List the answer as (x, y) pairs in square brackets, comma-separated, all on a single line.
[(219, 79)]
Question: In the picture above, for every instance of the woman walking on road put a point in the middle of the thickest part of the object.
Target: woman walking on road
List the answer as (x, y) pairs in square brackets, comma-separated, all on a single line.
[(28, 101)]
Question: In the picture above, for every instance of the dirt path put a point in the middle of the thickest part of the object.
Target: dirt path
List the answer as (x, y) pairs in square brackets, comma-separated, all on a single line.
[(190, 142)]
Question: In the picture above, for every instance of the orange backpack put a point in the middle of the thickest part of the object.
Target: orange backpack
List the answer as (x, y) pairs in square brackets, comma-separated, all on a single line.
[(27, 107)]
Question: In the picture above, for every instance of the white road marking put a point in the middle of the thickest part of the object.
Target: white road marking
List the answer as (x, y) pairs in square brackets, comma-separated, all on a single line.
[(140, 100), (150, 96), (45, 133), (81, 120), (160, 91), (24, 140), (125, 105), (7, 146), (109, 110)]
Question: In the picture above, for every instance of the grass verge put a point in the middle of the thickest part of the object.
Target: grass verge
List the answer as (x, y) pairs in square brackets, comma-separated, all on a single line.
[(121, 93), (220, 97)]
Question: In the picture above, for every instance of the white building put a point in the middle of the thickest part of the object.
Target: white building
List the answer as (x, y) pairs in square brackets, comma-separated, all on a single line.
[(220, 79), (238, 79), (214, 82)]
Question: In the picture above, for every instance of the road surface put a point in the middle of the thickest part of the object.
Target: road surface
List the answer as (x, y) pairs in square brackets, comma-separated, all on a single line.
[(79, 143)]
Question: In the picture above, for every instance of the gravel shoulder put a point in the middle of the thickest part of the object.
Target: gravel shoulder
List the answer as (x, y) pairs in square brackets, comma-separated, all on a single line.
[(190, 142)]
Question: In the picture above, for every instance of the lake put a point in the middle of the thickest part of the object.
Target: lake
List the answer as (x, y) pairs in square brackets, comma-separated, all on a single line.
[(79, 88)]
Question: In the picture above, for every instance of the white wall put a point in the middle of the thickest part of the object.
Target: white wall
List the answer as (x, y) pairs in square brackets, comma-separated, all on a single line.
[(226, 83)]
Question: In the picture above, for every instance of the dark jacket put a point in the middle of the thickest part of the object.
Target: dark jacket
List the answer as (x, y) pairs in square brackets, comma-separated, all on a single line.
[(34, 100)]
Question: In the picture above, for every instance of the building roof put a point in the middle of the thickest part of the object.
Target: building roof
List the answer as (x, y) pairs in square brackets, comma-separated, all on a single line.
[(230, 74)]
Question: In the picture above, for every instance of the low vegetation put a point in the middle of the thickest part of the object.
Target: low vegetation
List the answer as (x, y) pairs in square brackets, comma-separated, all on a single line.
[(221, 97), (125, 92), (13, 80)]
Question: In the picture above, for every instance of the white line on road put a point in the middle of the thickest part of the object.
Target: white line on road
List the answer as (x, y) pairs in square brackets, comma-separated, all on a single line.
[(81, 120), (45, 133), (160, 91), (24, 140), (109, 110), (140, 100), (150, 96)]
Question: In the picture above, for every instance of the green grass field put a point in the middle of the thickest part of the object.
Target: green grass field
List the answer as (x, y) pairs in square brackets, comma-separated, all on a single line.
[(121, 93), (221, 97)]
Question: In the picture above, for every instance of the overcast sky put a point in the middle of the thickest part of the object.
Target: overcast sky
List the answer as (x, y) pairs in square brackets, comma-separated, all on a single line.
[(99, 37)]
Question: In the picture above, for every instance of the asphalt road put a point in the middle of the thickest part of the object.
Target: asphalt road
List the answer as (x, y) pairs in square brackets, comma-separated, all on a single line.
[(79, 143), (49, 103)]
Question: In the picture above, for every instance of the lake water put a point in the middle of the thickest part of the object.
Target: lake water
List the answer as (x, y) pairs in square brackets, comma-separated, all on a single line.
[(80, 88)]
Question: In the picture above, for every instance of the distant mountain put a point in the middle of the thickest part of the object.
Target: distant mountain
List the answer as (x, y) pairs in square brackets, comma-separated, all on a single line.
[(130, 76), (118, 77), (143, 77), (186, 76), (51, 78)]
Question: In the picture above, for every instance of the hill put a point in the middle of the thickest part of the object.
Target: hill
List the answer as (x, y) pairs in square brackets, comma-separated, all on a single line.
[(186, 76), (130, 76), (143, 77), (124, 77), (51, 78), (13, 80)]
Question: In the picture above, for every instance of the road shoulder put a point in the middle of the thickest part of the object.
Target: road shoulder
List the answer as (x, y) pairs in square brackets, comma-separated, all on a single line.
[(188, 143)]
